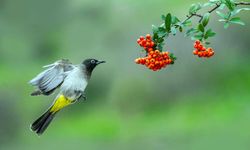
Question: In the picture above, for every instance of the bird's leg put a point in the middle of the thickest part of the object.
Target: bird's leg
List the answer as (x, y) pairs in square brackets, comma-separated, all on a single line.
[(83, 97)]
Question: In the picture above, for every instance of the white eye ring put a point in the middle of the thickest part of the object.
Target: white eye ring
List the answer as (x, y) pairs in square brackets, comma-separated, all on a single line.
[(92, 61)]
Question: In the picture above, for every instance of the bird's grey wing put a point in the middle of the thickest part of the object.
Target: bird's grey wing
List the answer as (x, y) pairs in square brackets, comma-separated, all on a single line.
[(51, 78)]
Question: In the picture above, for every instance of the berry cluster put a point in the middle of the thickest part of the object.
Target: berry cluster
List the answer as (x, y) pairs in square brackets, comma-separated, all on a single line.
[(154, 60), (201, 50), (146, 43)]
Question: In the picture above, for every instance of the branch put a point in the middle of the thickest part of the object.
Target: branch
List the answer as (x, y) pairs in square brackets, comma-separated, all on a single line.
[(242, 3), (212, 10), (216, 7)]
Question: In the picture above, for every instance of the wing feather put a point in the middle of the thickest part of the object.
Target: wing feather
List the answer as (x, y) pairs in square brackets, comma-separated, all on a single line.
[(51, 78)]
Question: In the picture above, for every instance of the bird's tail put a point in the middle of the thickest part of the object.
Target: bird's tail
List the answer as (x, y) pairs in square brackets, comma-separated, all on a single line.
[(41, 124)]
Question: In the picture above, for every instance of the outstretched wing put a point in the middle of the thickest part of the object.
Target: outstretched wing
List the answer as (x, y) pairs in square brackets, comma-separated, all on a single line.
[(51, 78)]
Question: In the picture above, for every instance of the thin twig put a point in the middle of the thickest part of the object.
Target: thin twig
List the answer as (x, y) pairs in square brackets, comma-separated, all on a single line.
[(212, 10), (217, 6)]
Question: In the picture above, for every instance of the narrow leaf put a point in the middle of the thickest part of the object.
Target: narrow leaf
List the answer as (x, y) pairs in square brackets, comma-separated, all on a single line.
[(223, 20), (236, 20), (155, 29), (201, 27), (224, 16), (168, 22), (235, 12), (194, 8), (191, 31), (230, 5), (209, 33), (187, 23), (205, 19), (175, 20)]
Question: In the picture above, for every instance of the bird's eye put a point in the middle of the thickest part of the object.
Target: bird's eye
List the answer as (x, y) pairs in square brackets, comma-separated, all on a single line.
[(92, 61)]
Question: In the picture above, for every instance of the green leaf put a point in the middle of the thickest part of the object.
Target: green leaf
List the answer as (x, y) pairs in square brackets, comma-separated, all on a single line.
[(230, 5), (236, 20), (155, 37), (205, 19), (215, 1), (194, 8), (236, 11), (198, 36), (181, 29), (209, 33), (162, 32), (160, 46), (168, 22), (201, 27), (187, 23), (208, 4), (223, 20), (160, 40), (222, 15), (171, 55), (163, 17), (155, 29), (191, 31), (226, 25), (175, 20), (173, 30), (222, 6)]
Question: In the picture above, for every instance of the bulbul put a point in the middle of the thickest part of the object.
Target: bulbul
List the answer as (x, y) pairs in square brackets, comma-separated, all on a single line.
[(70, 79)]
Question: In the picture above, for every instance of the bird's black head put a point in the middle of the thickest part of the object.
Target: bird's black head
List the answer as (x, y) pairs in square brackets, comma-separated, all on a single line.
[(90, 64)]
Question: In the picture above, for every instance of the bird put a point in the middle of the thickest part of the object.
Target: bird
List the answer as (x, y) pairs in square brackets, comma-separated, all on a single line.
[(70, 79)]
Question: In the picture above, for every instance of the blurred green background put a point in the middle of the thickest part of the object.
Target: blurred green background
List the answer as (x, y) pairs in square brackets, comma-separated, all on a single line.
[(195, 104)]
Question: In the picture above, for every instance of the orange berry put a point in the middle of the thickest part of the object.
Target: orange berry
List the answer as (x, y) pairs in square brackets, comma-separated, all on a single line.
[(200, 54), (157, 52), (141, 38), (205, 53), (148, 36), (147, 44), (152, 60), (197, 42), (209, 49), (150, 57), (152, 44), (210, 53), (200, 47), (137, 61), (144, 42), (195, 52), (150, 49)]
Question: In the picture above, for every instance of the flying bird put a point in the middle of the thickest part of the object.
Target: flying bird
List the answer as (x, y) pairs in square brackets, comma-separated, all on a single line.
[(71, 80)]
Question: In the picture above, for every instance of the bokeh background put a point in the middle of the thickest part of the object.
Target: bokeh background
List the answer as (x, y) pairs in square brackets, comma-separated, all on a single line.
[(194, 104)]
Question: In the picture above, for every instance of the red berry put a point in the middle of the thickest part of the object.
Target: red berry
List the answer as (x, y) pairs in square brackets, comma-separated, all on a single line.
[(141, 38), (148, 36)]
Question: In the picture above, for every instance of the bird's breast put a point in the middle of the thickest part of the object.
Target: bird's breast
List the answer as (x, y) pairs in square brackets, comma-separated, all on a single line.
[(75, 81)]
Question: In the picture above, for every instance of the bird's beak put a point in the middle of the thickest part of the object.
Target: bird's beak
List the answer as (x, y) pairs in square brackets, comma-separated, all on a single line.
[(100, 61)]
